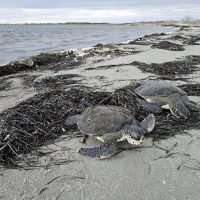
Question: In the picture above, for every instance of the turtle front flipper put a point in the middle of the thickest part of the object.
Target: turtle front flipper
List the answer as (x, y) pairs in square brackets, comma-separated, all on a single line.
[(180, 111), (177, 106), (149, 107), (104, 151), (148, 123)]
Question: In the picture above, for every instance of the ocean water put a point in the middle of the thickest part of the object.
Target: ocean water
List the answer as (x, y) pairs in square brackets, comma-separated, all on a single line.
[(20, 41)]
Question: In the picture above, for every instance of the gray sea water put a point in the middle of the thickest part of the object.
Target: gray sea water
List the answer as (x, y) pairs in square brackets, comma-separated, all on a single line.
[(20, 41)]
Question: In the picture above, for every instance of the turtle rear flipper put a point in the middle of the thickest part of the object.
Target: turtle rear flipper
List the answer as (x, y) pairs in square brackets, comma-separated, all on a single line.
[(104, 151), (148, 123), (147, 106)]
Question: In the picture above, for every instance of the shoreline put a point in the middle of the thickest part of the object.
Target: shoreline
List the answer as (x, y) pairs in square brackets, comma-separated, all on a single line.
[(21, 41), (167, 169)]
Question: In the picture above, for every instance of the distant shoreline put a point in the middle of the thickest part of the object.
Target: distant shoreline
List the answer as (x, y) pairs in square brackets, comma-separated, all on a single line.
[(182, 23)]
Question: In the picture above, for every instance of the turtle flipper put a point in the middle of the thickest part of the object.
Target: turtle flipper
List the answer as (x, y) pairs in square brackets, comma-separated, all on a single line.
[(150, 107), (148, 123), (104, 151)]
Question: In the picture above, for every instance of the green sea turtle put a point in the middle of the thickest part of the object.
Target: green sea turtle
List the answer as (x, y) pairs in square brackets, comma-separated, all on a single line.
[(110, 124), (28, 62), (162, 94)]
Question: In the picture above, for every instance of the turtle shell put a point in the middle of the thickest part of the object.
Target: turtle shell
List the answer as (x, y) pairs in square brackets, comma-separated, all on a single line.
[(158, 88), (98, 120)]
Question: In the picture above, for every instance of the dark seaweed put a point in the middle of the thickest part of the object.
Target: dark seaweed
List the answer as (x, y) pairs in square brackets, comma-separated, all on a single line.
[(168, 46), (59, 81), (50, 61), (41, 118), (171, 69), (14, 67)]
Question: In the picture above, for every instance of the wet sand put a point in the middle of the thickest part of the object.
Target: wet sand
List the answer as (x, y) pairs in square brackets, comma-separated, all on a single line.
[(169, 170)]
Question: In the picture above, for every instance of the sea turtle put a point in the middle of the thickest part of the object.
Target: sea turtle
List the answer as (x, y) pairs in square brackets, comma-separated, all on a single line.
[(162, 94), (28, 62), (110, 124)]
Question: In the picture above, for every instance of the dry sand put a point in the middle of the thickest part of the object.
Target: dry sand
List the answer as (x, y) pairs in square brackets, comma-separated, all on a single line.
[(141, 173)]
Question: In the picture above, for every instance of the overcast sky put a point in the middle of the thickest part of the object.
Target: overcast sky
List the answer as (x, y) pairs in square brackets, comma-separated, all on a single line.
[(113, 11)]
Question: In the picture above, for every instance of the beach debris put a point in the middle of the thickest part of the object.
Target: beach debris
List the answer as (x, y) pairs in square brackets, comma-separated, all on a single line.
[(191, 89), (193, 40), (54, 82), (15, 67), (40, 119), (106, 50), (178, 37), (147, 39), (186, 40), (58, 61), (43, 61), (186, 66), (168, 46)]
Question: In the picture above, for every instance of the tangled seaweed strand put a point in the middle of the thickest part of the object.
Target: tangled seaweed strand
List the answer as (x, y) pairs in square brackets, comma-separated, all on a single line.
[(50, 61), (14, 67), (52, 83), (168, 46), (174, 68), (191, 89), (41, 118), (147, 39)]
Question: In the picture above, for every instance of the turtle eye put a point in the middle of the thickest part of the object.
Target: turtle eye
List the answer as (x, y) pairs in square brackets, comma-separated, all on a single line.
[(135, 136)]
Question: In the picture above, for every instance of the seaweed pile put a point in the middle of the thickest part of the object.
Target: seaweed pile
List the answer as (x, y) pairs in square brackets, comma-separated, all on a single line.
[(171, 69), (191, 40), (191, 89), (50, 61), (147, 39), (178, 37), (168, 46), (40, 119), (58, 61), (48, 58), (105, 50), (15, 67), (54, 82)]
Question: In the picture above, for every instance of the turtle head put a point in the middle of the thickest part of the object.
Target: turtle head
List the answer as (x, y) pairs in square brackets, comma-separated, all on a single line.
[(180, 111), (136, 132), (135, 139), (134, 135)]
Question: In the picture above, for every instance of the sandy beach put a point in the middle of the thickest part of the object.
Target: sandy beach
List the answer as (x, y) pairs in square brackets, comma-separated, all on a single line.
[(168, 170)]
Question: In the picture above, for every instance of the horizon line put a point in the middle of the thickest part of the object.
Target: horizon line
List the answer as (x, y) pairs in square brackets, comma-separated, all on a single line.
[(110, 23)]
